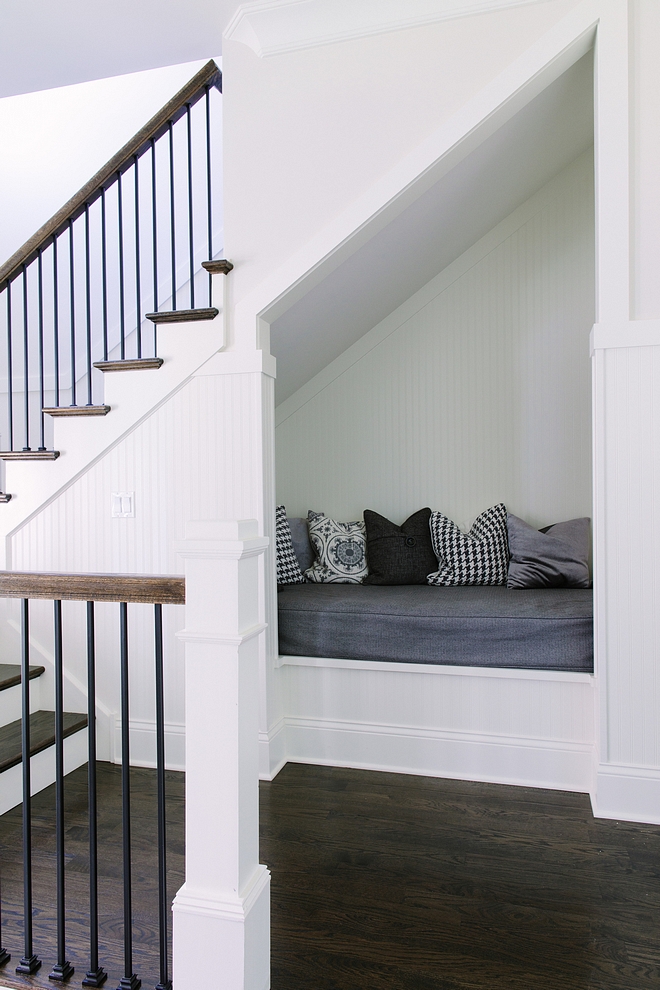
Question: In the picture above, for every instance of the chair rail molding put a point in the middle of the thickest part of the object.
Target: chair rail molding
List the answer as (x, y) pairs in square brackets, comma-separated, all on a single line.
[(273, 27)]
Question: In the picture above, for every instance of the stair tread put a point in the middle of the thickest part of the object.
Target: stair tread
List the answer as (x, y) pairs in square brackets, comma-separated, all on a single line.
[(88, 410), (129, 364), (42, 735), (29, 455), (183, 315), (10, 674)]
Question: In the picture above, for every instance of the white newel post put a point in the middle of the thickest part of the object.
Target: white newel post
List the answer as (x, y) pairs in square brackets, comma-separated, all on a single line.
[(221, 915)]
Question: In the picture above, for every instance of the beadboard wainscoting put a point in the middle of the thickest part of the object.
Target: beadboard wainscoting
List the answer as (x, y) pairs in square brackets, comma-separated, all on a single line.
[(531, 728), (474, 391)]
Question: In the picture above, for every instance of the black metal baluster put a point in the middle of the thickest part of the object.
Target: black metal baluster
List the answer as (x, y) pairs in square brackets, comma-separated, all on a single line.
[(129, 981), (72, 303), (42, 399), (104, 277), (88, 309), (4, 955), (56, 324), (26, 388), (164, 983), (95, 976), (209, 217), (172, 228), (30, 963), (154, 234), (10, 385), (122, 322), (62, 970), (191, 246), (138, 293)]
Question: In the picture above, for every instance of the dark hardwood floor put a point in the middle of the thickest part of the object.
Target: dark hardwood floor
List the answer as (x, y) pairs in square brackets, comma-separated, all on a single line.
[(393, 882), (379, 881)]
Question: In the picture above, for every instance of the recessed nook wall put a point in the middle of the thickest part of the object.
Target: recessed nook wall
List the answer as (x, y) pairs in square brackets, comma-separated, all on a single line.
[(476, 390)]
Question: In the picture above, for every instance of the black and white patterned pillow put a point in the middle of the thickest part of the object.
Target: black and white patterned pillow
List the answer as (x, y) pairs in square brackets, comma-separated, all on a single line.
[(478, 557), (341, 550), (288, 568)]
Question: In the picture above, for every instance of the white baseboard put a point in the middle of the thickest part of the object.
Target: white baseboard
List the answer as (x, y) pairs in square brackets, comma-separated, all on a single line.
[(525, 762), (272, 751), (627, 793), (142, 744)]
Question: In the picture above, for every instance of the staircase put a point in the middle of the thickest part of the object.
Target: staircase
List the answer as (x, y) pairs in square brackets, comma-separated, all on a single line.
[(118, 283), (42, 736)]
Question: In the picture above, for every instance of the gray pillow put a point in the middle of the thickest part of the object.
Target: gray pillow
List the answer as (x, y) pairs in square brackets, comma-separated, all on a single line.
[(554, 557), (301, 543)]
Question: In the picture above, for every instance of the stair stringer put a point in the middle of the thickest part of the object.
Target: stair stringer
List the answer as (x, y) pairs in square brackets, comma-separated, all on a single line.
[(132, 396)]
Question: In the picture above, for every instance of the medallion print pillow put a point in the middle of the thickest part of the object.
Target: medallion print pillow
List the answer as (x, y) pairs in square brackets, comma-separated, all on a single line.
[(478, 557), (341, 550)]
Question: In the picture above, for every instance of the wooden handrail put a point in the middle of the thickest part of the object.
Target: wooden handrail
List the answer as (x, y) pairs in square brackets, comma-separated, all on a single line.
[(148, 588), (209, 75)]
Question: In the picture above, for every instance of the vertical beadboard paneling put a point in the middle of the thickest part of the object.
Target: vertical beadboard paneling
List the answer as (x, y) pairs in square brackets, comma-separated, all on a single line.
[(477, 392), (182, 463), (631, 383)]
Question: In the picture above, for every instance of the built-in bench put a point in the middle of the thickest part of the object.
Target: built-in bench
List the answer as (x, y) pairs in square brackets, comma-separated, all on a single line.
[(540, 629)]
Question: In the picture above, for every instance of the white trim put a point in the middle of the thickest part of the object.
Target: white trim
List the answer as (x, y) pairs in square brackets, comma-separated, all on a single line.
[(488, 757), (192, 637), (507, 673), (632, 333), (481, 116), (627, 793), (271, 27), (237, 908), (142, 743), (272, 750)]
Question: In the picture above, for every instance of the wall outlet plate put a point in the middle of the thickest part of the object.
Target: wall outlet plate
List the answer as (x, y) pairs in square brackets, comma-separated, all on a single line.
[(123, 505)]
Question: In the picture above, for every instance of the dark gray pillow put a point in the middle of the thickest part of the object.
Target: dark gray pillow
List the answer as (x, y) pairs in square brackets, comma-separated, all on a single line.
[(301, 543), (554, 557), (399, 554)]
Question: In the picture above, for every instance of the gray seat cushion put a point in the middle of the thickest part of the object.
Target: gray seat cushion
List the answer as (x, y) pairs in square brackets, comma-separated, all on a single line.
[(543, 629)]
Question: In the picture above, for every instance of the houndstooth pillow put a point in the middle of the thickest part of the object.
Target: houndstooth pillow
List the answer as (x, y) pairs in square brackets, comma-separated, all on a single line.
[(288, 568), (341, 550), (478, 557)]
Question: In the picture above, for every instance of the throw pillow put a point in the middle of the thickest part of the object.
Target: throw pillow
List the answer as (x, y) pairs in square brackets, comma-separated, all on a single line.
[(300, 539), (288, 568), (554, 557), (478, 557), (399, 554), (341, 550)]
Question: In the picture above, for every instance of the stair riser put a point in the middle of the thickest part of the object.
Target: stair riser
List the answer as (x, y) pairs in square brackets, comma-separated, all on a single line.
[(10, 701), (43, 770)]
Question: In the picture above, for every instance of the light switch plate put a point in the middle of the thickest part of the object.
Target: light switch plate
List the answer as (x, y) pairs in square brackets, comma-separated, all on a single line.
[(123, 505)]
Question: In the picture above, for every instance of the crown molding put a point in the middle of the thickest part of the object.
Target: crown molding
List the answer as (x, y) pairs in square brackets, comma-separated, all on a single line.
[(273, 27)]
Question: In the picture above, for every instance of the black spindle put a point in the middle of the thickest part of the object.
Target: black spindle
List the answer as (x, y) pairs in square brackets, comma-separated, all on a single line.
[(95, 976), (10, 384), (191, 246), (172, 218), (30, 963), (209, 217), (138, 288), (104, 277), (154, 233), (129, 981), (62, 970), (26, 386), (164, 983), (42, 402), (88, 309), (56, 325), (122, 319), (72, 303)]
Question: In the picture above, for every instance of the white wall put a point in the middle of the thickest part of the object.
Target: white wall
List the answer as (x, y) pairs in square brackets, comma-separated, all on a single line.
[(54, 141), (476, 390)]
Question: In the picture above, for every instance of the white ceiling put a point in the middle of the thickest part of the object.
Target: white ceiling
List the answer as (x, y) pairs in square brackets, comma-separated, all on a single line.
[(491, 182), (49, 43)]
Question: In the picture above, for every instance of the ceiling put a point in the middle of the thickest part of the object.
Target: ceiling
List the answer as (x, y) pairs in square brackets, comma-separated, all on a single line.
[(49, 43), (497, 177)]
